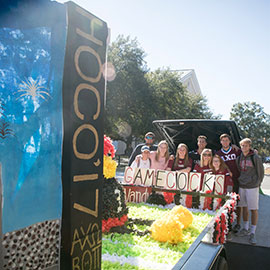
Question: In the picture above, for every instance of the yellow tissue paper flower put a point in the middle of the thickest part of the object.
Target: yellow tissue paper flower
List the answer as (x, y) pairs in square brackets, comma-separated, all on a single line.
[(109, 167), (183, 215), (165, 230), (169, 228)]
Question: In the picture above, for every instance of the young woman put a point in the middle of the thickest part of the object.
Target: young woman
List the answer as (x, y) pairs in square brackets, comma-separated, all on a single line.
[(181, 163), (160, 158), (218, 166), (204, 166)]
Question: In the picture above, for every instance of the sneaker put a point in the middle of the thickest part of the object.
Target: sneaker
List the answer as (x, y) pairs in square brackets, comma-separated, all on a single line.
[(243, 232), (252, 239), (236, 228)]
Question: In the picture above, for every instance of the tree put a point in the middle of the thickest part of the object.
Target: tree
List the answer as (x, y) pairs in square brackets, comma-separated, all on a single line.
[(128, 101), (137, 96), (172, 101), (253, 123)]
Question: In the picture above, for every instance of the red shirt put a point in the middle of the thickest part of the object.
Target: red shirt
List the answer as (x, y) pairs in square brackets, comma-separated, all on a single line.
[(227, 181), (180, 164), (202, 170), (229, 158)]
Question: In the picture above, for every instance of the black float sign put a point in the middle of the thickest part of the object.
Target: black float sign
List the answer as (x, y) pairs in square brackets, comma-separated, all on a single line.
[(82, 164)]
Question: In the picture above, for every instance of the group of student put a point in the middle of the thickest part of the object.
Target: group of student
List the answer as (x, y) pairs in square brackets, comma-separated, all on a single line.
[(243, 170)]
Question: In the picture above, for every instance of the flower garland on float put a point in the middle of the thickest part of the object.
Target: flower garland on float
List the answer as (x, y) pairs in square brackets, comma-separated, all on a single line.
[(188, 201), (217, 203), (206, 202), (223, 222), (169, 197), (114, 207), (216, 230)]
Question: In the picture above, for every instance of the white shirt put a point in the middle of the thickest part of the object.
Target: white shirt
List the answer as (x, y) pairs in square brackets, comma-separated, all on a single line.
[(143, 164)]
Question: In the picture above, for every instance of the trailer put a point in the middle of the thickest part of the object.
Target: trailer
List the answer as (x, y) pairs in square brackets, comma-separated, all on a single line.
[(236, 253)]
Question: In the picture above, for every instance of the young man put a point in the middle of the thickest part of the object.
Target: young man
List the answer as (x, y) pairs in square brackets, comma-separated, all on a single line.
[(195, 155), (143, 160), (149, 141), (229, 154), (251, 175)]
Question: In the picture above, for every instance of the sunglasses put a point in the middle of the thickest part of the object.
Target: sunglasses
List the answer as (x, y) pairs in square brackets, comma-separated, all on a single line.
[(207, 155), (149, 137)]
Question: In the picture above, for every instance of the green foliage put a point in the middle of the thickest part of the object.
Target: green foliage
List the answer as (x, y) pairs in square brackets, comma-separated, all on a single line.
[(172, 101), (253, 123), (145, 247), (128, 98), (137, 96)]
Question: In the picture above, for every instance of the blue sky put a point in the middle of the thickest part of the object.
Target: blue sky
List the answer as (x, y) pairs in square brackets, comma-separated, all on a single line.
[(226, 42)]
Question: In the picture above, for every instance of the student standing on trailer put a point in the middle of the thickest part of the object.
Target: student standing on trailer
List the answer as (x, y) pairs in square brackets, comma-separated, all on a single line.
[(229, 155), (195, 155), (204, 166), (149, 141), (143, 160)]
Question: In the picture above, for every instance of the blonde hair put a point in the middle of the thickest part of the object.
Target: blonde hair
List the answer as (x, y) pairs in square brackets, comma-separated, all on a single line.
[(204, 151), (222, 166), (158, 151), (177, 155), (246, 140)]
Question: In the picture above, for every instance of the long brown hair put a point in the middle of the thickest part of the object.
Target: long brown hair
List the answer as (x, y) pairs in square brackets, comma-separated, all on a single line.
[(177, 155), (222, 167), (204, 151), (158, 151)]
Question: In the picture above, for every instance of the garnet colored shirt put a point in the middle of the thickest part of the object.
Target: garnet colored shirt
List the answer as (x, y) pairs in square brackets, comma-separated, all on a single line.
[(202, 170), (228, 180), (230, 159), (180, 164)]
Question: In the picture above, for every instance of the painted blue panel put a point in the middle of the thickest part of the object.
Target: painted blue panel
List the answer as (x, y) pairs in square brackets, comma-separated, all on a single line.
[(30, 126)]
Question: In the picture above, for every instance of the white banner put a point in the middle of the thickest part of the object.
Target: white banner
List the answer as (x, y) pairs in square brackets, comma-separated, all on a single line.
[(138, 176), (173, 180), (194, 181), (208, 182), (219, 184)]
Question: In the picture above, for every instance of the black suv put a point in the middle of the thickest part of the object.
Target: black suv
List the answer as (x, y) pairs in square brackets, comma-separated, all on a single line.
[(187, 130)]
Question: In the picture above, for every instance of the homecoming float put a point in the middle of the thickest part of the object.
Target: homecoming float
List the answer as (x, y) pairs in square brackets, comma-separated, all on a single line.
[(52, 189), (161, 220)]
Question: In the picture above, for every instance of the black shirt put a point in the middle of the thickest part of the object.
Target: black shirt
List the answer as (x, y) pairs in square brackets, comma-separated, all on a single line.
[(196, 158)]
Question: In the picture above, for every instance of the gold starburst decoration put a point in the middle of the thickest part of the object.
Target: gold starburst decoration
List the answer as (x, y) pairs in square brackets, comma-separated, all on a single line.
[(33, 88)]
